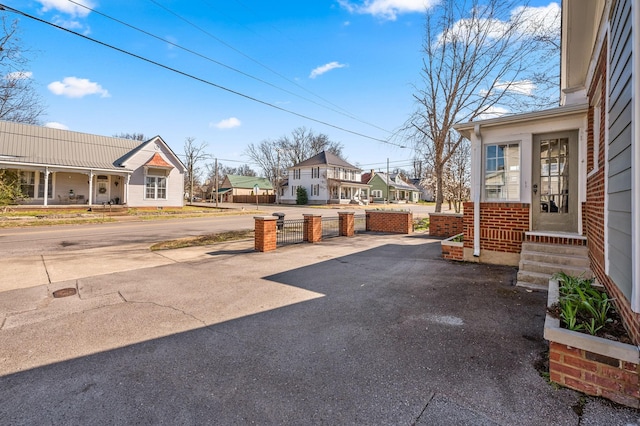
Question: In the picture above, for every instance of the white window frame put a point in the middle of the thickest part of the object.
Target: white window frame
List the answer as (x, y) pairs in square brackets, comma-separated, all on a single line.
[(156, 187), (507, 173)]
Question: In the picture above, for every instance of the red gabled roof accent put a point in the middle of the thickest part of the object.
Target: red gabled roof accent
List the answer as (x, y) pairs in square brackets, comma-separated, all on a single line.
[(158, 161)]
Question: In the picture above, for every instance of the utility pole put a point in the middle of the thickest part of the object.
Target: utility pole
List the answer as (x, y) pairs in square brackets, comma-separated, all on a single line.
[(278, 179), (216, 182), (387, 202)]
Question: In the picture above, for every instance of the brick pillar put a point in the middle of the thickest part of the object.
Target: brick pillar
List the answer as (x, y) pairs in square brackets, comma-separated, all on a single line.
[(265, 233), (312, 228), (347, 224)]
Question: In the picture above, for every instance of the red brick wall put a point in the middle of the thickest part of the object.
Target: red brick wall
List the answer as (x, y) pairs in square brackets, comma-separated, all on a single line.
[(445, 224), (312, 228), (346, 224), (452, 252), (502, 226), (594, 207), (265, 233), (390, 221), (594, 374)]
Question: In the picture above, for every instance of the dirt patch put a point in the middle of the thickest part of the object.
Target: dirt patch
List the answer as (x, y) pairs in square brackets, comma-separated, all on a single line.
[(203, 240)]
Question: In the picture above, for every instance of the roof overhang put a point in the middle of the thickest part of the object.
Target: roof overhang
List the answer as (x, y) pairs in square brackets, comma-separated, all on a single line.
[(349, 183), (55, 168), (465, 129)]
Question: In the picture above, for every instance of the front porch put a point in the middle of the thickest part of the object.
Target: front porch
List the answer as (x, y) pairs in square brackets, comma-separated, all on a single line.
[(51, 187), (348, 192)]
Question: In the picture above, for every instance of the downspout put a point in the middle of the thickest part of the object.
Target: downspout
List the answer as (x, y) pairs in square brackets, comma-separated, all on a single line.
[(477, 159)]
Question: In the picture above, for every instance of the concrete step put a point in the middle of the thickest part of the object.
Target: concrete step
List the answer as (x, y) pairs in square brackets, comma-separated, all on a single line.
[(538, 279), (552, 268), (557, 249), (563, 259)]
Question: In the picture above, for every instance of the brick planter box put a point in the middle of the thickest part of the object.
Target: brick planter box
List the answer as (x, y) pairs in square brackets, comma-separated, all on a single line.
[(452, 250), (445, 224), (590, 364)]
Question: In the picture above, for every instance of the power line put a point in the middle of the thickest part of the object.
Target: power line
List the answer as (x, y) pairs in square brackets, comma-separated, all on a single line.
[(207, 33), (199, 79), (200, 55)]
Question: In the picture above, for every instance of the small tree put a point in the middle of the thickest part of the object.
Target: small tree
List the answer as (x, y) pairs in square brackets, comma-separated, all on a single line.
[(302, 197), (193, 154), (10, 191)]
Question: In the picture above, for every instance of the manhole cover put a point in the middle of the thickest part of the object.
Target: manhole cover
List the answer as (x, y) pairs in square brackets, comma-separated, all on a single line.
[(64, 292)]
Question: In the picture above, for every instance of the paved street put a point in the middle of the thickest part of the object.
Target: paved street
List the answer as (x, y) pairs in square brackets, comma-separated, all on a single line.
[(375, 329)]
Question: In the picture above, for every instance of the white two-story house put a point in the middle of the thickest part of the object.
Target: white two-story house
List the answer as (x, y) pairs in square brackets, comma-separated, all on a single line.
[(328, 179)]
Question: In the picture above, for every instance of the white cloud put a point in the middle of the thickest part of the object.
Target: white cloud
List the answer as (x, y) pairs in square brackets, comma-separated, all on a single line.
[(67, 7), (493, 112), (74, 87), (227, 123), (522, 87), (55, 125), (387, 9), (536, 21), (325, 68), (19, 75)]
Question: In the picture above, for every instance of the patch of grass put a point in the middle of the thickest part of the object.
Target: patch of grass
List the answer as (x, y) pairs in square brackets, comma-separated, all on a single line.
[(421, 224), (203, 240)]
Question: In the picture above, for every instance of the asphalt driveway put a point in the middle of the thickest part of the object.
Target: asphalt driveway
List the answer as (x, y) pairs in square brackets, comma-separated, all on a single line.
[(366, 330)]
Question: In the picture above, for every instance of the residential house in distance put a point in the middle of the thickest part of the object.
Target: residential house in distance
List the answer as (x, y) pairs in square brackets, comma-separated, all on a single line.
[(426, 193), (61, 167), (391, 187), (328, 180), (237, 188), (569, 175)]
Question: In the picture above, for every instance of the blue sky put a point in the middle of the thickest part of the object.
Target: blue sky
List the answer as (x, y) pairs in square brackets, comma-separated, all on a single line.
[(349, 63)]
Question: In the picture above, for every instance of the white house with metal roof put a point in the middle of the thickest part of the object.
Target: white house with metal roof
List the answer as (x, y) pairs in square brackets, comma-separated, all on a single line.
[(328, 180), (61, 167)]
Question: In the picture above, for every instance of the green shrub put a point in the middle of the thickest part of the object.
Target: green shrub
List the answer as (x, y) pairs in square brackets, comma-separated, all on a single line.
[(301, 196), (582, 306)]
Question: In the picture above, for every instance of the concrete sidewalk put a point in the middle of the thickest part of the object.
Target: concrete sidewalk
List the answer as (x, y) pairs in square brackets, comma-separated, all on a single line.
[(365, 330)]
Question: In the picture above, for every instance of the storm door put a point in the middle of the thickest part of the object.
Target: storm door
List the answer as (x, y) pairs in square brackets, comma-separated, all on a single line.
[(554, 201)]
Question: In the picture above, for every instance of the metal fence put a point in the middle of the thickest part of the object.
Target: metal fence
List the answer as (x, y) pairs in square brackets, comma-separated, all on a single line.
[(291, 232), (330, 227)]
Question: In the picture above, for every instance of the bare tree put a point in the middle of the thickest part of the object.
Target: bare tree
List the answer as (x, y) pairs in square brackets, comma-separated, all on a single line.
[(19, 100), (480, 58), (275, 156), (194, 154), (133, 136)]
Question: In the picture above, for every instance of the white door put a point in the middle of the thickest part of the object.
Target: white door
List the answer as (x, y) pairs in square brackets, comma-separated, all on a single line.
[(102, 190)]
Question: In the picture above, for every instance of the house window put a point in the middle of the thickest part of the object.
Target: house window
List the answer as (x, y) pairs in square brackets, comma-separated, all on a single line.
[(502, 172), (315, 173), (156, 188), (296, 173), (28, 183), (293, 190), (41, 186), (376, 193), (315, 190)]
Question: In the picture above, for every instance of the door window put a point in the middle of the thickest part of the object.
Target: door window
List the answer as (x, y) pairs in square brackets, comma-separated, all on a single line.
[(554, 176)]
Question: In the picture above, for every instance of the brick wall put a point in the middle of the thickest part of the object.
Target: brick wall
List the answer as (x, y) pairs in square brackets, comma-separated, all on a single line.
[(594, 374), (346, 224), (390, 221), (594, 207), (265, 233), (502, 226), (452, 251), (445, 224), (312, 228)]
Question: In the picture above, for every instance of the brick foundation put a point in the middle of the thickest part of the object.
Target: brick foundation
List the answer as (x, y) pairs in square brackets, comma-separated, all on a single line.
[(502, 226), (445, 224), (398, 222), (594, 374)]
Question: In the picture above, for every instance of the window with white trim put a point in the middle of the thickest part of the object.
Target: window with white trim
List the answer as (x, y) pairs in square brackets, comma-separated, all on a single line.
[(28, 183), (315, 190), (155, 188), (296, 173), (315, 172), (502, 172), (376, 193)]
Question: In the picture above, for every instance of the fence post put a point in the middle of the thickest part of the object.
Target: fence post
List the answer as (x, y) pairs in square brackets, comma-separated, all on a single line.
[(346, 224), (312, 228), (265, 233)]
